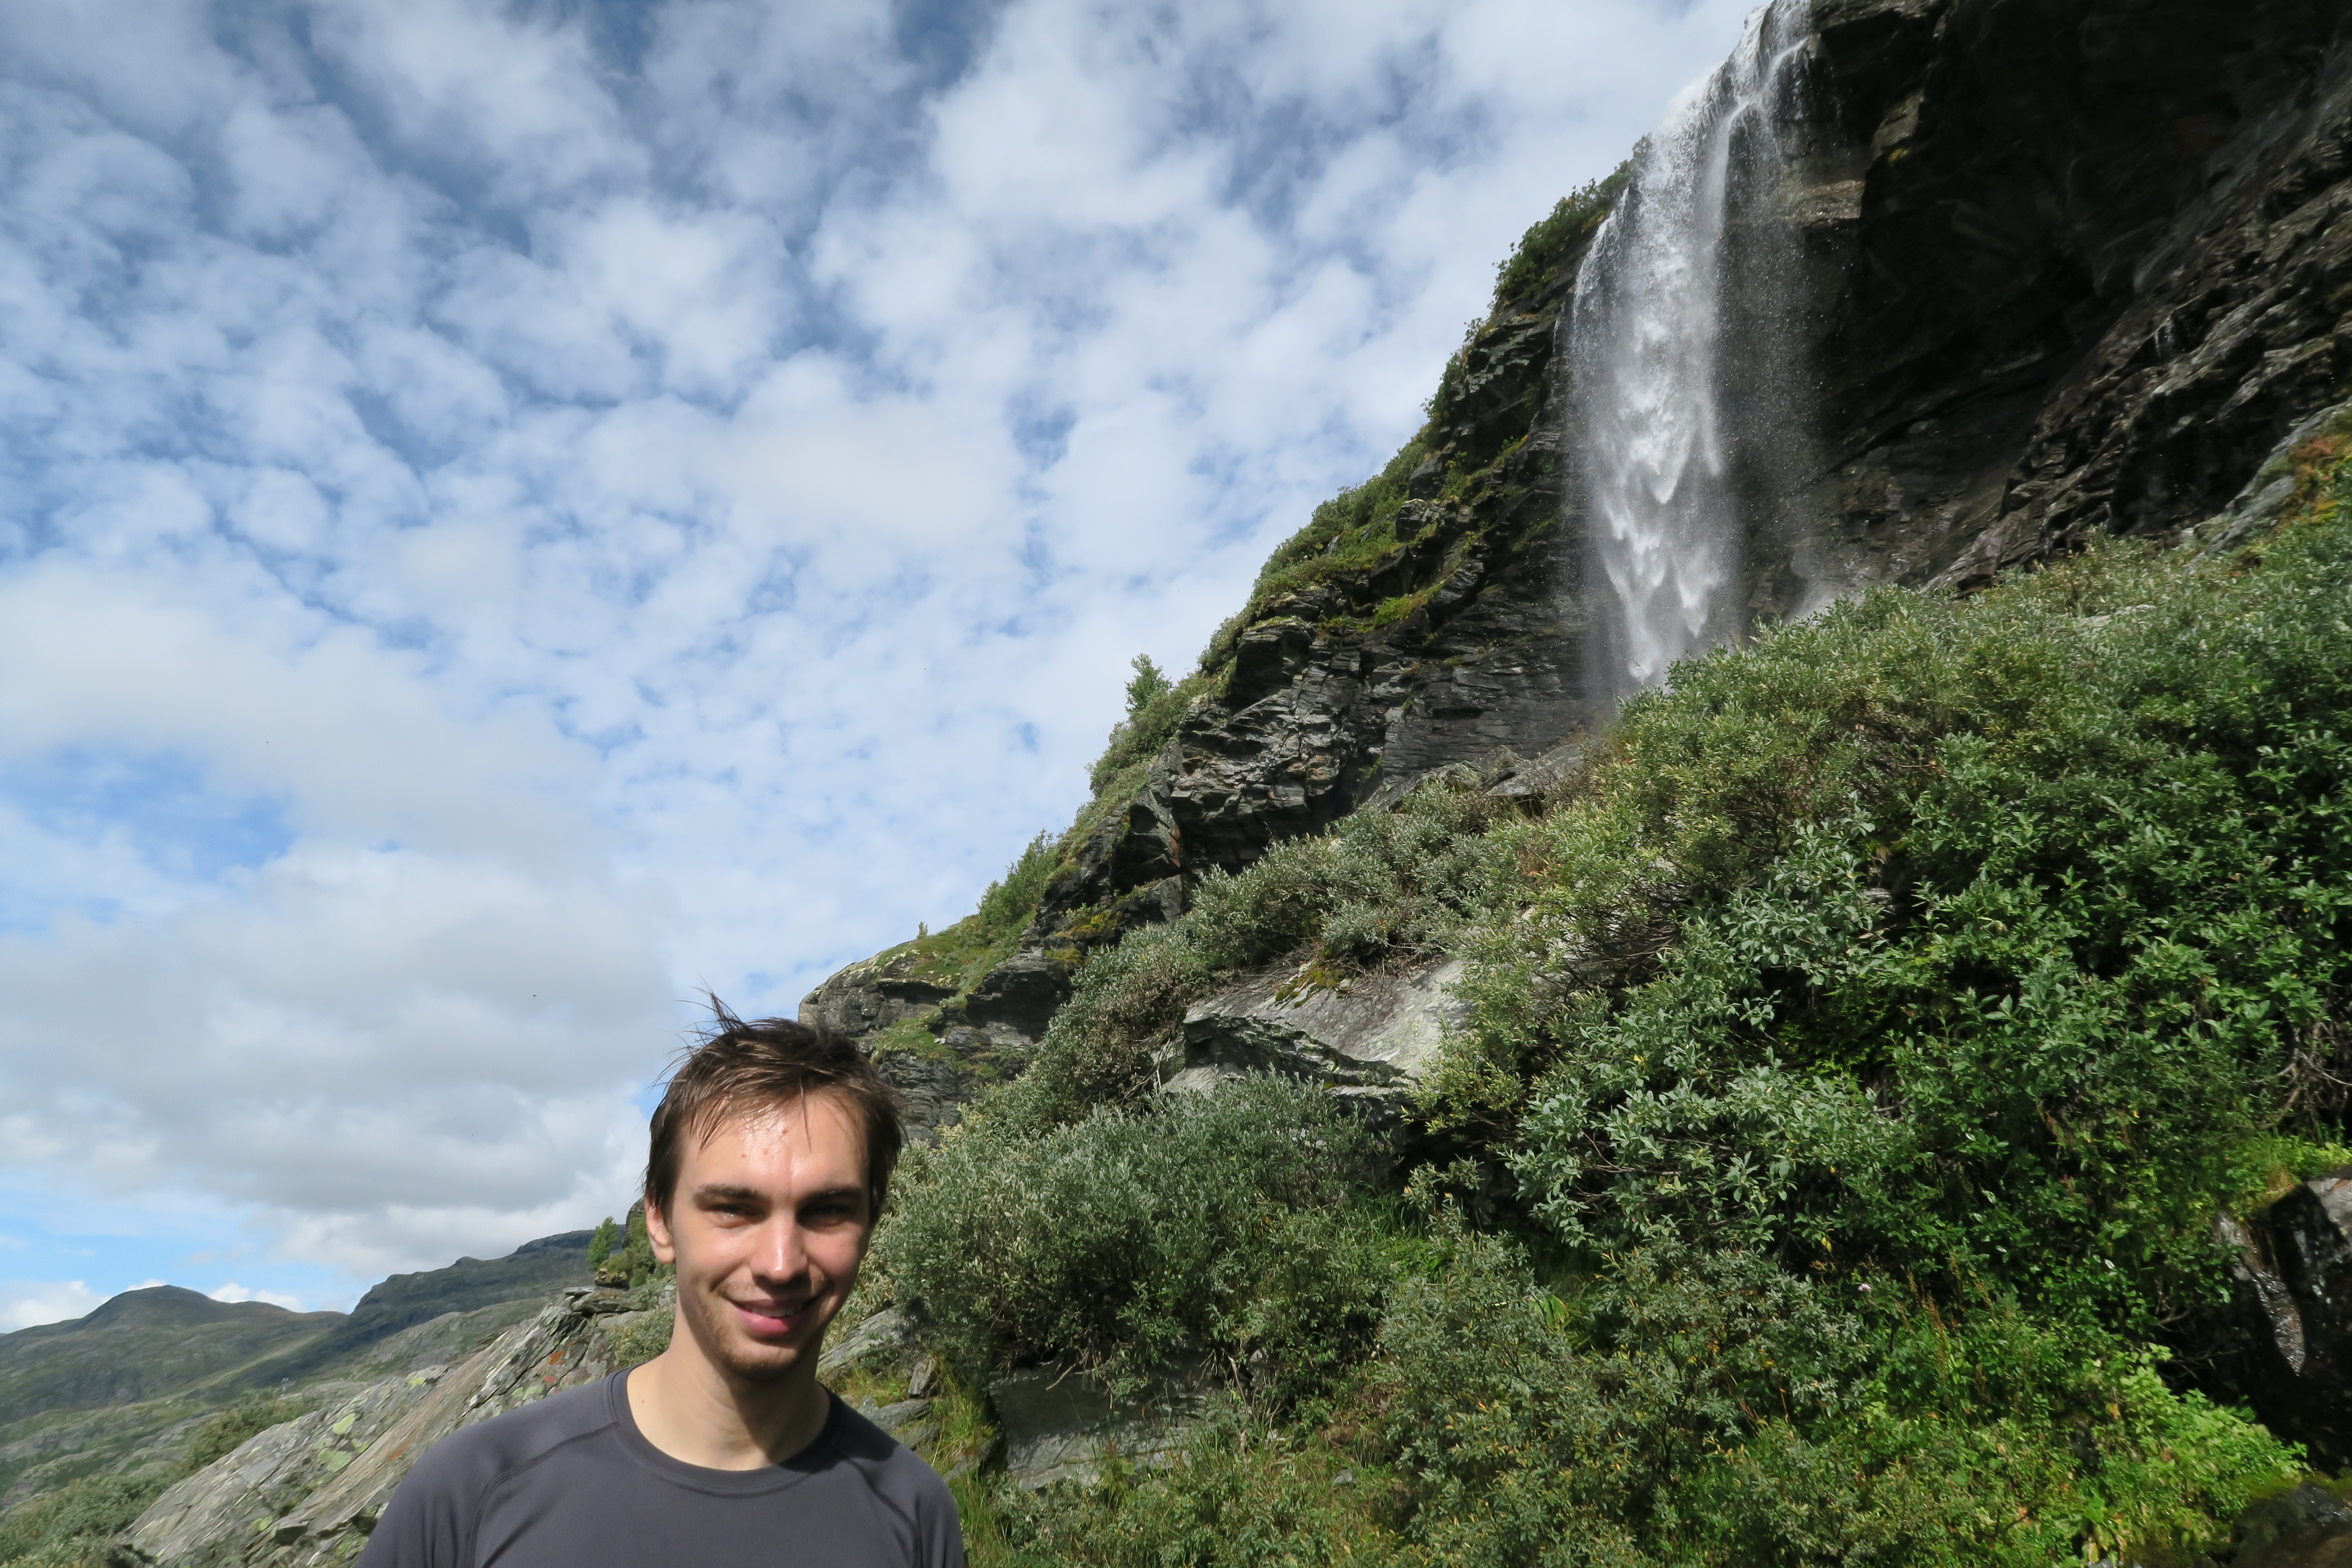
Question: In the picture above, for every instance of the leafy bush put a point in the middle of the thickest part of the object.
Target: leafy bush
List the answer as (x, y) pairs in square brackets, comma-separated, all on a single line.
[(1993, 932), (1570, 221), (1708, 1408), (1872, 1030), (1215, 1221), (606, 1237), (72, 1526), (1155, 706)]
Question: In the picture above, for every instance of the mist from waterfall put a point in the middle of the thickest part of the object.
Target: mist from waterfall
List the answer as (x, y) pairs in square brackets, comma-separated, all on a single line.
[(1649, 331)]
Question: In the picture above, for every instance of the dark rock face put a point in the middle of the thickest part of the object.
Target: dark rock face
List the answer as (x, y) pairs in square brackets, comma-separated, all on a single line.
[(2309, 1526), (2084, 262), (2293, 1273), (1322, 713)]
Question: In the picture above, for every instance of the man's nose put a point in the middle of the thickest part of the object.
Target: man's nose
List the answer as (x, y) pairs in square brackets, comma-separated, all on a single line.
[(782, 1251)]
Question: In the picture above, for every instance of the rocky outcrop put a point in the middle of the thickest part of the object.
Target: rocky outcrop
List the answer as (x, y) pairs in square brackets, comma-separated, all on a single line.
[(1064, 1424), (2309, 1526), (1369, 1037), (2292, 1267), (308, 1491), (975, 1034), (867, 998)]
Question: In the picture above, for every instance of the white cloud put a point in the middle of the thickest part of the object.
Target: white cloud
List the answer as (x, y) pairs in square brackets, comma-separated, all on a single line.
[(506, 520), (24, 1304)]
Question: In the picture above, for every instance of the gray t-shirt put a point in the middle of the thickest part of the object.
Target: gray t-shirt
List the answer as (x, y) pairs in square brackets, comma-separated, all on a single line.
[(569, 1483)]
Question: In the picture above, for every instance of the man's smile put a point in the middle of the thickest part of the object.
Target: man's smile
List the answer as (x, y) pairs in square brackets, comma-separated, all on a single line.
[(770, 1319)]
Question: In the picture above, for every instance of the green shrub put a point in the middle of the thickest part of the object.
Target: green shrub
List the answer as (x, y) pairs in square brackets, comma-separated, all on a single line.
[(1549, 239), (1155, 706), (71, 1526), (607, 1236), (1215, 1221), (1708, 1408), (1989, 932)]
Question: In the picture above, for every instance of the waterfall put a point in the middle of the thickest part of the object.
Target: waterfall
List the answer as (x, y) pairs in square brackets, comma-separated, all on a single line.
[(1654, 326)]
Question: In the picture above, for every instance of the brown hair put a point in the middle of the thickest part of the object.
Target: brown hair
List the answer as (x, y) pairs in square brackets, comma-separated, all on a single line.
[(737, 1067)]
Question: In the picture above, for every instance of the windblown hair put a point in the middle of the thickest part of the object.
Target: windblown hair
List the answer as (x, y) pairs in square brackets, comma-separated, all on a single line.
[(740, 1068)]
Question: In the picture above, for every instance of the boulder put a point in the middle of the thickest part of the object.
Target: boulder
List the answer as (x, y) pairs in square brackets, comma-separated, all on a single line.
[(1017, 998), (2308, 1527), (2294, 1297), (1064, 1424), (885, 1338), (1370, 1038)]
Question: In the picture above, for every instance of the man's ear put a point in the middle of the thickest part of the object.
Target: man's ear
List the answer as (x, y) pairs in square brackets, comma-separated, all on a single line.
[(657, 1232)]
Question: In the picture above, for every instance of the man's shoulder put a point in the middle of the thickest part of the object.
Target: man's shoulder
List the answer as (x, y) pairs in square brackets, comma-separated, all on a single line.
[(896, 1473), (474, 1456)]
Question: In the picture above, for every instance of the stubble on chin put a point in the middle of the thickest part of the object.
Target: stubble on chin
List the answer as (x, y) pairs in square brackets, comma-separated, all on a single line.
[(737, 1354)]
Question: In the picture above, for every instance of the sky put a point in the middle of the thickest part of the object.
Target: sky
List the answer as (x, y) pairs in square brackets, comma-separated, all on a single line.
[(517, 515)]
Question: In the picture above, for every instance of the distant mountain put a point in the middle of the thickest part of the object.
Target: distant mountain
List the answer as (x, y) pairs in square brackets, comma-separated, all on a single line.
[(173, 1352), (143, 1344), (535, 1269)]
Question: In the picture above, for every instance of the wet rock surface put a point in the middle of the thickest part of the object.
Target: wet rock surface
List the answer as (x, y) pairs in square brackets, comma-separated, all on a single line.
[(2307, 1527), (2292, 1271)]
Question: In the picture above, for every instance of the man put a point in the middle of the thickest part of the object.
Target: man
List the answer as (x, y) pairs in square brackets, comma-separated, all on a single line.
[(770, 1154)]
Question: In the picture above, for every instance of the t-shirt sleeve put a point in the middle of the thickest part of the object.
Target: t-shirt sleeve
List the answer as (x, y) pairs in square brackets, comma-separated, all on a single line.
[(428, 1523), (938, 1532)]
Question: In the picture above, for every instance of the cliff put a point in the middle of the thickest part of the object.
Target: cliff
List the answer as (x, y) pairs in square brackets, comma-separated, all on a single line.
[(2039, 271)]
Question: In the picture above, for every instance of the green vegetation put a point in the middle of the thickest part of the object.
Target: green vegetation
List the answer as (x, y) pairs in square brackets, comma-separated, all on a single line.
[(1127, 1238), (1552, 237), (623, 1250), (70, 1526), (1859, 1049), (607, 1236)]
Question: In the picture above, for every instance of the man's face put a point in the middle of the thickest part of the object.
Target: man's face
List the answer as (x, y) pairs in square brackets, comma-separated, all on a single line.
[(766, 1226)]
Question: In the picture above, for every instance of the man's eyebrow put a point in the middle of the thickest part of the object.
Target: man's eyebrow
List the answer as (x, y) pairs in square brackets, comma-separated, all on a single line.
[(724, 1192), (836, 1194), (729, 1192)]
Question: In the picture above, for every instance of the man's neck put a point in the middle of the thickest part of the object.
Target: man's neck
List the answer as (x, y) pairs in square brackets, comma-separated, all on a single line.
[(695, 1412)]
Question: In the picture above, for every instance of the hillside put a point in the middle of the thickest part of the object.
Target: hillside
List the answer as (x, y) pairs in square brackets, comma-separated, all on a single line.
[(128, 1383), (1740, 959)]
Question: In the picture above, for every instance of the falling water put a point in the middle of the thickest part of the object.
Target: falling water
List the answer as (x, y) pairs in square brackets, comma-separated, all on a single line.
[(1652, 329)]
